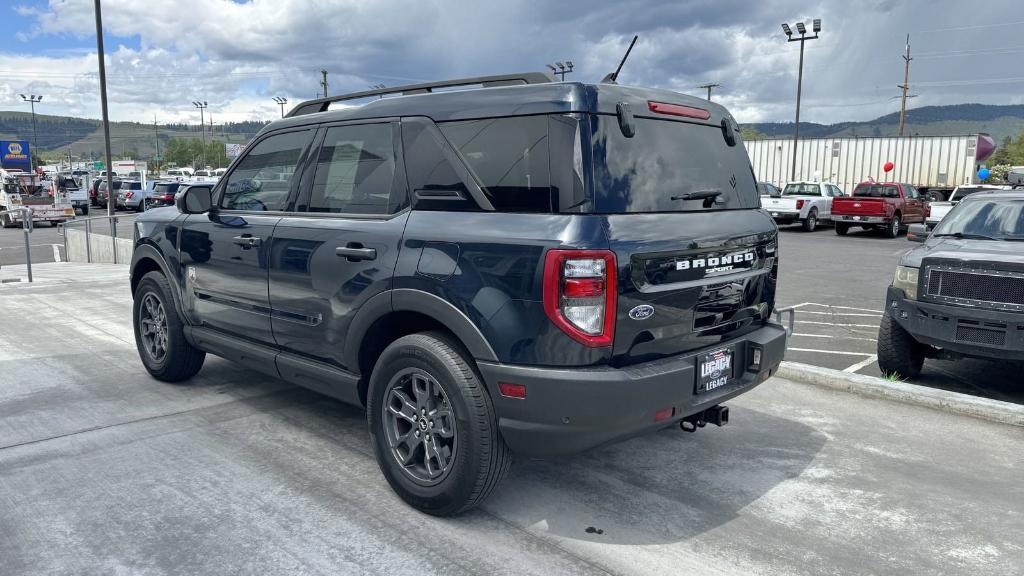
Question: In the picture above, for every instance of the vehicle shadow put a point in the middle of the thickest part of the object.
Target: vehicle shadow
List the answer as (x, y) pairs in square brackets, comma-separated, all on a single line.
[(661, 488)]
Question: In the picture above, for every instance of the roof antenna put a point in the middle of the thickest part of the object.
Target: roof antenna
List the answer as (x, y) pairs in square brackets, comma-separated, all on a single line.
[(611, 78)]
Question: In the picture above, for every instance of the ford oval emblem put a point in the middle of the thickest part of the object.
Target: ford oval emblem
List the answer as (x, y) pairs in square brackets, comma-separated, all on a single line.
[(642, 312)]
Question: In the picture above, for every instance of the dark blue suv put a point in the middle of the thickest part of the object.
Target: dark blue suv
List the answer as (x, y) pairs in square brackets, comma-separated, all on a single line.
[(527, 266)]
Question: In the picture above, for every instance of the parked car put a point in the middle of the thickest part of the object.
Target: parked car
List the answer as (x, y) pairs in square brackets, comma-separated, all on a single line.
[(804, 203), (94, 199), (443, 260), (940, 209), (179, 174), (78, 196), (103, 194), (880, 205), (961, 294), (133, 195), (163, 194)]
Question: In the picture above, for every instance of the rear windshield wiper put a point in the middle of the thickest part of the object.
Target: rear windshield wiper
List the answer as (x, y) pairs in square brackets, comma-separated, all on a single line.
[(966, 236), (699, 195)]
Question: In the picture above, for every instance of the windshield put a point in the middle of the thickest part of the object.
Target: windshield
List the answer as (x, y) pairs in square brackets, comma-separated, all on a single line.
[(876, 191), (801, 190), (665, 161), (997, 218)]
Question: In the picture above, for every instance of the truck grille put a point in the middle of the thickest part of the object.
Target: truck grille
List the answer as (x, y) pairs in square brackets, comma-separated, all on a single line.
[(985, 288), (980, 336)]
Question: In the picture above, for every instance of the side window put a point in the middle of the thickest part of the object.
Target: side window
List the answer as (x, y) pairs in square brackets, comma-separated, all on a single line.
[(433, 180), (911, 192), (509, 157), (355, 172), (262, 178)]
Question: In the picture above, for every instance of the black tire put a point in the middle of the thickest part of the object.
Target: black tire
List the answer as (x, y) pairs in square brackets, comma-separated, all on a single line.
[(842, 229), (85, 210), (892, 230), (478, 456), (810, 224), (899, 354), (180, 360)]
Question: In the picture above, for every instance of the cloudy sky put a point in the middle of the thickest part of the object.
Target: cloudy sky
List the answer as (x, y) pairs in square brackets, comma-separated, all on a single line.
[(163, 54)]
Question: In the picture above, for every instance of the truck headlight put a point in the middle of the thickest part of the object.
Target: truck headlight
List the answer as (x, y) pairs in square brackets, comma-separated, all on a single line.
[(906, 280)]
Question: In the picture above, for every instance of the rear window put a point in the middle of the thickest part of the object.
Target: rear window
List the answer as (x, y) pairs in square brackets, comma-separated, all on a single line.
[(876, 191), (664, 161), (960, 193), (167, 188), (801, 190)]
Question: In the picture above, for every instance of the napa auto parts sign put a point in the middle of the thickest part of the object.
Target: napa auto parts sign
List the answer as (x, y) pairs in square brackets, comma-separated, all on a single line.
[(14, 155)]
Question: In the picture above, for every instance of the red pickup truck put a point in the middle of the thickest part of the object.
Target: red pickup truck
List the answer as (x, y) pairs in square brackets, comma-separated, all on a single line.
[(886, 205)]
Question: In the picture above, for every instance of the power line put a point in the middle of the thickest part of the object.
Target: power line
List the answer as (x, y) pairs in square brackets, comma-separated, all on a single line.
[(973, 27)]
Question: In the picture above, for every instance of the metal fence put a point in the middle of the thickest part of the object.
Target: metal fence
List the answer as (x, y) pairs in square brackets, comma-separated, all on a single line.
[(86, 223), (26, 226)]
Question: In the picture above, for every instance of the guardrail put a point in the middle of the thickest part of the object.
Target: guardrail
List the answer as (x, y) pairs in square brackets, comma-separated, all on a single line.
[(26, 226), (88, 233)]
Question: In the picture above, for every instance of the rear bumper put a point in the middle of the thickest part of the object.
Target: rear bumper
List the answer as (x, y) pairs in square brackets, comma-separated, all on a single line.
[(966, 331), (850, 219), (785, 217), (569, 410)]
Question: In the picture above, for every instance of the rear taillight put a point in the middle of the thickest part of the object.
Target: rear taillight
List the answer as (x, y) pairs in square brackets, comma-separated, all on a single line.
[(169, 197), (579, 294), (799, 204)]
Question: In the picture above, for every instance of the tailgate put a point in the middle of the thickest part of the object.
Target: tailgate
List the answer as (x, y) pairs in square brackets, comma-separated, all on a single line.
[(711, 278), (859, 207), (779, 204)]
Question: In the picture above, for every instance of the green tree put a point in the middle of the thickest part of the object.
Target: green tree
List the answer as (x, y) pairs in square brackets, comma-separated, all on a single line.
[(1002, 153), (748, 134)]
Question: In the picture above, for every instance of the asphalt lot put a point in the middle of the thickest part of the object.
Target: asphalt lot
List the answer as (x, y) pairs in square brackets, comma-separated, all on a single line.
[(106, 471), (838, 284), (47, 245)]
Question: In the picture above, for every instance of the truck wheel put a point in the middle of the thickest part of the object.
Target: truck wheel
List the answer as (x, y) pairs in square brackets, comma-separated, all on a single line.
[(85, 210), (159, 332), (433, 427), (811, 222), (898, 353), (893, 230), (842, 229)]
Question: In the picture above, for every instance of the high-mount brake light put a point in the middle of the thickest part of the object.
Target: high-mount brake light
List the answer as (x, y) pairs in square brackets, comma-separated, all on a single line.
[(678, 110), (580, 294)]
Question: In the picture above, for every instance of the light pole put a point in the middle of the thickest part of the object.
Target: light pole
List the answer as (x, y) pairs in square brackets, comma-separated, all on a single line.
[(802, 29), (281, 102), (562, 69), (378, 87), (32, 99), (202, 126)]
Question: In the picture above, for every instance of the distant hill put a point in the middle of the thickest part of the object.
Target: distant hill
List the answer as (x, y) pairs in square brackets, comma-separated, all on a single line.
[(127, 139), (957, 119)]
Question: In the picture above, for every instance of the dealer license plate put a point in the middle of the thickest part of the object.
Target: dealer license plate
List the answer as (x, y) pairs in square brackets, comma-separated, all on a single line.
[(714, 370)]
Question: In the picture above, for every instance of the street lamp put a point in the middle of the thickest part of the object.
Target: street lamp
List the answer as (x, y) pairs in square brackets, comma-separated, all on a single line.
[(281, 102), (801, 29), (32, 99), (378, 87), (562, 69), (202, 125)]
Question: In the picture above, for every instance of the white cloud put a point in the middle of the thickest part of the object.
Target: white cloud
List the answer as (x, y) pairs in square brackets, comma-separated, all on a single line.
[(238, 55)]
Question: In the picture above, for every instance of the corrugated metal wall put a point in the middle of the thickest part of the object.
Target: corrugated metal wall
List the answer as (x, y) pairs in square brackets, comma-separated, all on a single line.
[(920, 160)]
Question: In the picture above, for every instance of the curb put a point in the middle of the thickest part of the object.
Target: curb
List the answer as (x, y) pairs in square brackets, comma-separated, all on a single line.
[(871, 387)]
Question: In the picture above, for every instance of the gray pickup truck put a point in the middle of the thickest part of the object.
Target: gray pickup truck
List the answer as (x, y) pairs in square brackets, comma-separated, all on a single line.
[(960, 294)]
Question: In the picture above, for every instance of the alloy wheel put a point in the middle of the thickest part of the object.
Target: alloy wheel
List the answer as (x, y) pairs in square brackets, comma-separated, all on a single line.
[(153, 327), (420, 426)]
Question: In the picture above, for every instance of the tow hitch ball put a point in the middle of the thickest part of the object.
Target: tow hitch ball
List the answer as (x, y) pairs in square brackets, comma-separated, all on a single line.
[(717, 415)]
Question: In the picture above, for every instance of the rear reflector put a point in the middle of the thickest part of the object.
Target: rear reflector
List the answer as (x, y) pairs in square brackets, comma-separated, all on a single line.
[(510, 390), (663, 414), (678, 110)]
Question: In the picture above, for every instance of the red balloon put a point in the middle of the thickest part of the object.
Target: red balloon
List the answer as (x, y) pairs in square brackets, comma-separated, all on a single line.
[(888, 166)]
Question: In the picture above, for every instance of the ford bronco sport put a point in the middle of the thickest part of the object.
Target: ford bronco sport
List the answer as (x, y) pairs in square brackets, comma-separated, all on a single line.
[(528, 266)]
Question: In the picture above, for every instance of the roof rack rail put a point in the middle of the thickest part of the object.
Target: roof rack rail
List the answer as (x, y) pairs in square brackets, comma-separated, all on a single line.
[(321, 104)]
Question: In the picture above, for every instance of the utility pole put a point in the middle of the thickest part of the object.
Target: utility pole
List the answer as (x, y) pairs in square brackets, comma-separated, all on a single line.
[(156, 135), (562, 69), (32, 99), (324, 82), (802, 29), (905, 86), (281, 101), (201, 105), (709, 87)]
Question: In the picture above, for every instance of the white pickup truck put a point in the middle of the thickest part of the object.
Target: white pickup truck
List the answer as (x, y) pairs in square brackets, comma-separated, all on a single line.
[(806, 203), (940, 209)]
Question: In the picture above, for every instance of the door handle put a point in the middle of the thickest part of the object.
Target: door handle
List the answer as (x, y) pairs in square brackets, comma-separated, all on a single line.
[(355, 252), (246, 241)]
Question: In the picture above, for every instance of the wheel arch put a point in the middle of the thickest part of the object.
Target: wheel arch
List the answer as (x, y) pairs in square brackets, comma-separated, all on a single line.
[(145, 259)]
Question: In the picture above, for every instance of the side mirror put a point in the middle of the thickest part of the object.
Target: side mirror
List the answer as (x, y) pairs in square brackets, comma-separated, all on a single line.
[(194, 200), (918, 233)]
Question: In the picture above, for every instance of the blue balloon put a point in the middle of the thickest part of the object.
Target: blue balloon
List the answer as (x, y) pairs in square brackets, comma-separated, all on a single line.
[(983, 173)]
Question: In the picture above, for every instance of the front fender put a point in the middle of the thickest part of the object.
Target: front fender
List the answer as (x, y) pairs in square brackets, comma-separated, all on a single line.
[(144, 251)]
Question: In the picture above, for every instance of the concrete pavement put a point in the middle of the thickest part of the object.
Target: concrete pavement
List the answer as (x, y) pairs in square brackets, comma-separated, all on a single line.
[(104, 470)]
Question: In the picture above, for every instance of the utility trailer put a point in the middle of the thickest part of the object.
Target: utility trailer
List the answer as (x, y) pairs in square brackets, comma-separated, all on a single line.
[(23, 189), (929, 163)]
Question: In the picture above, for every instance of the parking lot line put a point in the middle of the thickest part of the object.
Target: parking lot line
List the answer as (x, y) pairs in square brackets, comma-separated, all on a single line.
[(839, 307), (867, 362), (840, 313), (56, 252), (839, 352), (798, 321), (844, 337)]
